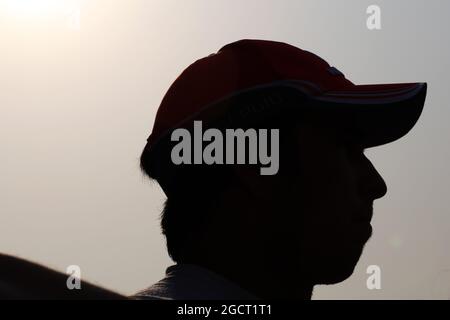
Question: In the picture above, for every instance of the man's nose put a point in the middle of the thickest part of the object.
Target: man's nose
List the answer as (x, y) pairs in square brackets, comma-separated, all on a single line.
[(374, 186)]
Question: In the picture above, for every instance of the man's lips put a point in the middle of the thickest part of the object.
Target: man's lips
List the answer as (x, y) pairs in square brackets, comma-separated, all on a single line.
[(362, 226), (362, 231)]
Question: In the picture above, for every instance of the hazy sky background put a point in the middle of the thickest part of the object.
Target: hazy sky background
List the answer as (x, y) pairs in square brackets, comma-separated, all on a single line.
[(77, 104)]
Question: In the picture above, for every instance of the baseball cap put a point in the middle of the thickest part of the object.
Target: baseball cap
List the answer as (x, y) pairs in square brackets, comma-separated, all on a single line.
[(267, 70), (383, 112)]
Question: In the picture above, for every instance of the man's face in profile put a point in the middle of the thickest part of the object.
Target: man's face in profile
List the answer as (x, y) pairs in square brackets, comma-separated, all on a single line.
[(327, 215)]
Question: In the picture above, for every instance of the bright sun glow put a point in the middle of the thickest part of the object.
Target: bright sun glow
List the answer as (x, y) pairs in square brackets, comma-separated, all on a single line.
[(41, 8), (38, 12)]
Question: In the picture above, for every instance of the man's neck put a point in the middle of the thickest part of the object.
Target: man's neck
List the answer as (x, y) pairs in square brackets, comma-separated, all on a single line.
[(244, 256), (262, 282)]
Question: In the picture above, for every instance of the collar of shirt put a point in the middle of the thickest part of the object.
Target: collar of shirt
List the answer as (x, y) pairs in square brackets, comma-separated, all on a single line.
[(193, 282)]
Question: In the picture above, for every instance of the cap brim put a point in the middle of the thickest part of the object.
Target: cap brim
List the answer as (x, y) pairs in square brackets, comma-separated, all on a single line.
[(380, 113)]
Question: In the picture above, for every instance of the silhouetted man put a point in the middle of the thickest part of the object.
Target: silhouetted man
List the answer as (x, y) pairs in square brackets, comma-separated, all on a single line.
[(237, 234)]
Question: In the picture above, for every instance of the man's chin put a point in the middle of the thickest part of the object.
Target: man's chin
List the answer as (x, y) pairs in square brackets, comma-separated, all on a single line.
[(336, 270), (335, 277)]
